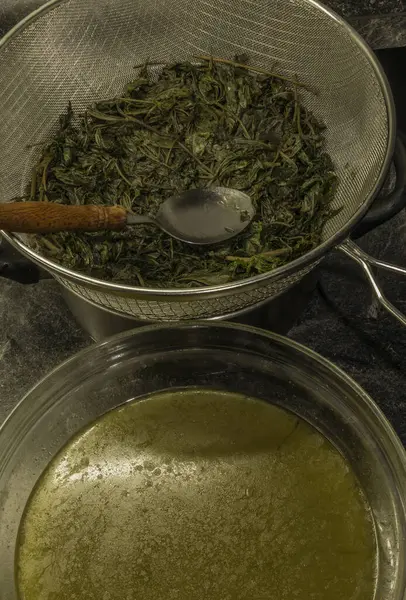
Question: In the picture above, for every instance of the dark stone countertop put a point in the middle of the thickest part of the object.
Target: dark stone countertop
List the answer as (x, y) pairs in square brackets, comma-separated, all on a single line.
[(345, 323), (381, 22)]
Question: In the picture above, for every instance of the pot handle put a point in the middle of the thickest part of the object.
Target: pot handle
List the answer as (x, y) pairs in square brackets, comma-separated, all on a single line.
[(386, 207), (365, 260), (16, 267), (21, 271)]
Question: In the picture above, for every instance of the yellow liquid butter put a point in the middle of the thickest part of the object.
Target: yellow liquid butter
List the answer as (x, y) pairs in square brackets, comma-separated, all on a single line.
[(197, 495)]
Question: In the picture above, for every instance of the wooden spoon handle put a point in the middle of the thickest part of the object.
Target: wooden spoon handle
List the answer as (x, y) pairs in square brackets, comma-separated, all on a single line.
[(47, 217)]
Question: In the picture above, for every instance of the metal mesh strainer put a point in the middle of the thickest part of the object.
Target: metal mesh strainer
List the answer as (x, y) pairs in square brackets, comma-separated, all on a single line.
[(82, 50)]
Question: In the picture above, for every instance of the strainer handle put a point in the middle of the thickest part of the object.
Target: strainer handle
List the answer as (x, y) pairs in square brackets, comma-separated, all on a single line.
[(365, 260)]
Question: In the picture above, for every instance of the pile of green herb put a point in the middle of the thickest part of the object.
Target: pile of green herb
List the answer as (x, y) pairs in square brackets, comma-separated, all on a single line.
[(212, 123)]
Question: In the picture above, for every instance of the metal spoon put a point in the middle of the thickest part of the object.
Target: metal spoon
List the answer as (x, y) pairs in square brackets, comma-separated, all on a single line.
[(195, 216)]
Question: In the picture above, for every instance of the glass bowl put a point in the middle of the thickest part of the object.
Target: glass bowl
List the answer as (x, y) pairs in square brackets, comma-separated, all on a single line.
[(222, 356)]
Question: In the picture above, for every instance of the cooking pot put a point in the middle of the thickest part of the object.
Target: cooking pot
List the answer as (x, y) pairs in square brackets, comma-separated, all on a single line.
[(277, 314)]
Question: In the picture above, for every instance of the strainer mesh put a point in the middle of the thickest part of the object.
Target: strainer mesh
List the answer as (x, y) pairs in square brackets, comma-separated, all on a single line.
[(82, 50)]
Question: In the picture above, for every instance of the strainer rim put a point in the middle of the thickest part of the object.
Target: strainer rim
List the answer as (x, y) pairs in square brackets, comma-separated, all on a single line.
[(278, 273)]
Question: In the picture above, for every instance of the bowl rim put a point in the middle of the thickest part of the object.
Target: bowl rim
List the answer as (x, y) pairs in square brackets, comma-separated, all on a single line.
[(68, 366)]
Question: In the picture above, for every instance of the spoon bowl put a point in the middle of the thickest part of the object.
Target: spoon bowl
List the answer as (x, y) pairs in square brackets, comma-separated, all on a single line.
[(201, 216)]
